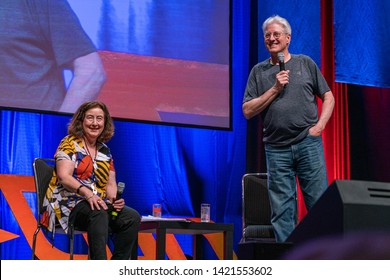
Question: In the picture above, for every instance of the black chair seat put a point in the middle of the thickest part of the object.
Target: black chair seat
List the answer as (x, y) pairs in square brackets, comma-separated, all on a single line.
[(256, 209), (258, 231)]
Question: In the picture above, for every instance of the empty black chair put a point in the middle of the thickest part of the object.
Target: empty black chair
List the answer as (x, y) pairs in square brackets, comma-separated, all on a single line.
[(256, 209)]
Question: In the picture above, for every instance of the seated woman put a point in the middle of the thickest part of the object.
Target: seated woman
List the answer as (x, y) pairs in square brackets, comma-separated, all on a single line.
[(83, 187)]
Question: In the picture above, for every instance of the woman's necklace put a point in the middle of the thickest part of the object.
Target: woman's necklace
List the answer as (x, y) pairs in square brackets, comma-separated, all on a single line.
[(89, 153)]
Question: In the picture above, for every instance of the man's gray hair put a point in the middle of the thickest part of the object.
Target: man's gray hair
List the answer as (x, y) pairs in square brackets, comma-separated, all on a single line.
[(279, 20)]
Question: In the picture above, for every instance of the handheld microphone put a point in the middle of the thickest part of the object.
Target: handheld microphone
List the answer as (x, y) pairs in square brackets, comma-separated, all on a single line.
[(281, 61), (119, 192)]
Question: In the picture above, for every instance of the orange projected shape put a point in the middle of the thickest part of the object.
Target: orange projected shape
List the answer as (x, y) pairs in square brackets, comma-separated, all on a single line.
[(6, 235), (13, 187)]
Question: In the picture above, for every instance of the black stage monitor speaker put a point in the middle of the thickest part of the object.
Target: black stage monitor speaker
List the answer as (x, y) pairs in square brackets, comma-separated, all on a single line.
[(346, 206)]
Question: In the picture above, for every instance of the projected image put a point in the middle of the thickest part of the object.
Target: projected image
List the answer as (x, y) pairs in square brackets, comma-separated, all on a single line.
[(148, 60)]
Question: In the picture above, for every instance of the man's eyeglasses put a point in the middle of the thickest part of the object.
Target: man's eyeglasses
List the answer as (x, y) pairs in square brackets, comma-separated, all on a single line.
[(276, 35)]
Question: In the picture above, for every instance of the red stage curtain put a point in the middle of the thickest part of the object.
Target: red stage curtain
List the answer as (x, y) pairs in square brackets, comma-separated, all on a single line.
[(336, 134)]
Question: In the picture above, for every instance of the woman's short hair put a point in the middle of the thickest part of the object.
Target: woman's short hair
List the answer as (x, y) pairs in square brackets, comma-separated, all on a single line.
[(75, 126)]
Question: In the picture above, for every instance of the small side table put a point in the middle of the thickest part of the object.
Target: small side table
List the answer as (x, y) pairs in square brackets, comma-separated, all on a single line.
[(162, 227)]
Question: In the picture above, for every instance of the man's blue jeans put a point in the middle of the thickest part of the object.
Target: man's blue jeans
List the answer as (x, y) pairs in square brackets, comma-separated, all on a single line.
[(304, 160)]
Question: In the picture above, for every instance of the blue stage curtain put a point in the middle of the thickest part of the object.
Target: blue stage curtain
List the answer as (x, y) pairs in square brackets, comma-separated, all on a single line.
[(362, 42), (25, 136), (180, 167)]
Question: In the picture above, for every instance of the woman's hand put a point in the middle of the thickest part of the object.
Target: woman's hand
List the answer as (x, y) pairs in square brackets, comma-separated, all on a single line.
[(96, 202), (119, 204)]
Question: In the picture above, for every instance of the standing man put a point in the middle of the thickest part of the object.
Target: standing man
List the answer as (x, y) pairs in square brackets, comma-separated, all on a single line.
[(284, 90)]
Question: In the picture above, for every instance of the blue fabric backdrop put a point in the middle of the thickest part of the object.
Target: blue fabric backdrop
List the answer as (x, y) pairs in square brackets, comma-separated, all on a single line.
[(361, 30)]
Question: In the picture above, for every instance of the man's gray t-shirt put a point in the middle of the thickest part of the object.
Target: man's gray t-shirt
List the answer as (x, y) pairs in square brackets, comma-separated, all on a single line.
[(288, 118)]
